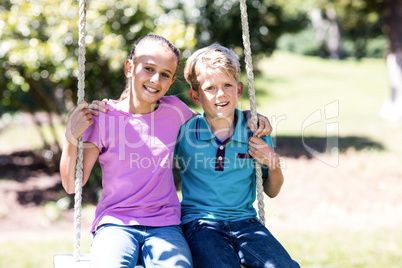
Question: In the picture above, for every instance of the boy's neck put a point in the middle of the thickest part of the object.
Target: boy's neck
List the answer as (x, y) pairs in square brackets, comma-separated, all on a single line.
[(222, 128)]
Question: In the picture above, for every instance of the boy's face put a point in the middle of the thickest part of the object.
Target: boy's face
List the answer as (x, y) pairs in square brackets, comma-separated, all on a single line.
[(217, 95)]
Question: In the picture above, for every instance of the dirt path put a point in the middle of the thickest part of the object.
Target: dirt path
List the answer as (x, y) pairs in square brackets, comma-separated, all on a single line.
[(360, 193)]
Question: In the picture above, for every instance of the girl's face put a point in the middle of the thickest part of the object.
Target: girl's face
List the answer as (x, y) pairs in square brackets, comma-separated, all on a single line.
[(152, 71)]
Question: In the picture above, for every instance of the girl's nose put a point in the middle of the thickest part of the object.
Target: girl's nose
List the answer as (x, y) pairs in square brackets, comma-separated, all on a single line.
[(155, 78)]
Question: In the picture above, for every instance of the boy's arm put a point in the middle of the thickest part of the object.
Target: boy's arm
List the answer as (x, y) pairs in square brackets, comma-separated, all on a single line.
[(78, 122), (265, 155)]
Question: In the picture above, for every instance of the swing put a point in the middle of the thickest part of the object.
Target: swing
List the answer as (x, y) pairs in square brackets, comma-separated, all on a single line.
[(78, 260)]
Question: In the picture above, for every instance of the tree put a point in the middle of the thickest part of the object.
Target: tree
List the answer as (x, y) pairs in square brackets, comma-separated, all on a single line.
[(392, 108), (39, 50), (219, 21), (360, 21)]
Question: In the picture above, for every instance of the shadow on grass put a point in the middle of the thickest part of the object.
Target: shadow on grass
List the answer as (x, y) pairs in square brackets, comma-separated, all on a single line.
[(297, 146), (27, 168)]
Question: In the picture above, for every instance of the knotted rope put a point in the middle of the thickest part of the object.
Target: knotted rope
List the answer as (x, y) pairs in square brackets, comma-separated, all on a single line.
[(253, 103), (79, 165)]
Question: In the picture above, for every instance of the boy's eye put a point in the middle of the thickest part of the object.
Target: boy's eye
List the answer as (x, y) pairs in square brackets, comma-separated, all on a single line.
[(228, 85), (149, 69)]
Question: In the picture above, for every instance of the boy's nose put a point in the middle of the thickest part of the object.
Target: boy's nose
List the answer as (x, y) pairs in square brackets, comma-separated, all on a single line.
[(220, 92)]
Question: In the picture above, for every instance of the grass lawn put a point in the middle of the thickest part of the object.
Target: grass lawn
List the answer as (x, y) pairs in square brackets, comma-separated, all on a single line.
[(313, 250)]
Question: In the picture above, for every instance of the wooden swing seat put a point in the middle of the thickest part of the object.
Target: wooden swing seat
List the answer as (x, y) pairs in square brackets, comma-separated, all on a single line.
[(67, 261)]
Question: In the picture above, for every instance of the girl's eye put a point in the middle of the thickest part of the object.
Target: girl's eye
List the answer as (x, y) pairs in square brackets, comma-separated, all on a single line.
[(149, 69), (209, 88), (165, 75)]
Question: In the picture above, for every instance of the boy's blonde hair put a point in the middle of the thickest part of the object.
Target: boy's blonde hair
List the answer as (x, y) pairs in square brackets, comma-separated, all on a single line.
[(212, 60)]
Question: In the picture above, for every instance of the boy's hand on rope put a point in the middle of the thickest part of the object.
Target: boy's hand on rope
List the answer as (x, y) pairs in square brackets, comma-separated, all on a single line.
[(264, 126), (97, 105), (78, 122), (263, 153)]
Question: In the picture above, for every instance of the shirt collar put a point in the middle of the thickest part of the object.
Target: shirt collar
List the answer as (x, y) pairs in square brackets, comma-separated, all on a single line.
[(241, 133)]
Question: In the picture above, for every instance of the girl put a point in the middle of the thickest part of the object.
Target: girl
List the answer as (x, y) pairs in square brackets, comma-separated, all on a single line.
[(138, 216)]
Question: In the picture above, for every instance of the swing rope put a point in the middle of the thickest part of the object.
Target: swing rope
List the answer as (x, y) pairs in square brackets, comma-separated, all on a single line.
[(79, 165), (253, 102)]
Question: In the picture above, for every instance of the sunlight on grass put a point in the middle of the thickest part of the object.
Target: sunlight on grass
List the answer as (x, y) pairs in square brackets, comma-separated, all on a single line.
[(23, 254), (331, 249), (301, 85), (21, 134), (340, 248), (297, 88)]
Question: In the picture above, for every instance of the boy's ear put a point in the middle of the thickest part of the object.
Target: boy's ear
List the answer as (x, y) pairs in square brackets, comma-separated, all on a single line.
[(193, 94), (240, 90), (128, 68)]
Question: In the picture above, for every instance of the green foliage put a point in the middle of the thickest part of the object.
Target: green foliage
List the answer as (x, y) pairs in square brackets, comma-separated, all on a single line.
[(219, 21), (303, 42), (39, 49), (360, 22)]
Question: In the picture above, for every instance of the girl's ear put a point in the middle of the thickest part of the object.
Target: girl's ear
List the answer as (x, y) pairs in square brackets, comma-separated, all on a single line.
[(239, 89), (193, 94), (128, 68), (173, 79)]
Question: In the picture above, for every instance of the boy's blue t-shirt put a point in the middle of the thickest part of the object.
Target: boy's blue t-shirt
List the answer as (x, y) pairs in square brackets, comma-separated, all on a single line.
[(218, 177)]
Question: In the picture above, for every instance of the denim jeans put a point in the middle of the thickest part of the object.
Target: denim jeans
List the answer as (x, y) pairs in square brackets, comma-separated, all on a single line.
[(223, 244), (115, 246)]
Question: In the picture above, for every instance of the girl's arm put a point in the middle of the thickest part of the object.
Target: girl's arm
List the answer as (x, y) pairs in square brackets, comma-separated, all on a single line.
[(265, 155), (78, 122), (264, 126)]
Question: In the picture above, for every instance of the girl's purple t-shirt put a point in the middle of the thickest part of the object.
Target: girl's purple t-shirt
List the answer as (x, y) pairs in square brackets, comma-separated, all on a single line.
[(136, 156)]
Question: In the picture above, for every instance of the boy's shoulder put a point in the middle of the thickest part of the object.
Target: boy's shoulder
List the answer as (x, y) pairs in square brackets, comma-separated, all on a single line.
[(193, 121)]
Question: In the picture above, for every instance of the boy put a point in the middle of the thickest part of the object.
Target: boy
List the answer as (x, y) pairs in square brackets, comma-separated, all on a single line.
[(215, 152)]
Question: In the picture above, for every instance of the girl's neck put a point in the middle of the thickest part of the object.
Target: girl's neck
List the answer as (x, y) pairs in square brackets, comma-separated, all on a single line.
[(222, 128), (129, 105)]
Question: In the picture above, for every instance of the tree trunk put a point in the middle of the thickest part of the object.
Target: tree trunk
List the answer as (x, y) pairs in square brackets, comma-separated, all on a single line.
[(320, 26), (334, 35), (392, 108)]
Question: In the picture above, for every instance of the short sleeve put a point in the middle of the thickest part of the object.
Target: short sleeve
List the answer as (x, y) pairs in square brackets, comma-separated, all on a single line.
[(183, 108), (92, 133)]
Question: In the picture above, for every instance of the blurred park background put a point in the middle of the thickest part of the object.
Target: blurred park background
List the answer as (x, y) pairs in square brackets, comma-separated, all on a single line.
[(328, 74)]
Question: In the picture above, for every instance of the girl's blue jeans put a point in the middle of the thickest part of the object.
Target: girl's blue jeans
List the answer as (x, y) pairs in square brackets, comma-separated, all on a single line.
[(223, 244), (116, 246)]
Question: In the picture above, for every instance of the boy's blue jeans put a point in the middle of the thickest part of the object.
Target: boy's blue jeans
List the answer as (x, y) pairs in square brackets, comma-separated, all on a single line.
[(116, 246), (223, 244)]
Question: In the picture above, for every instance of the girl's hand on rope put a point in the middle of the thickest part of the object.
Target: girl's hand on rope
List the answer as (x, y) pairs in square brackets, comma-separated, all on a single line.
[(263, 153), (78, 122), (264, 126), (96, 106)]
